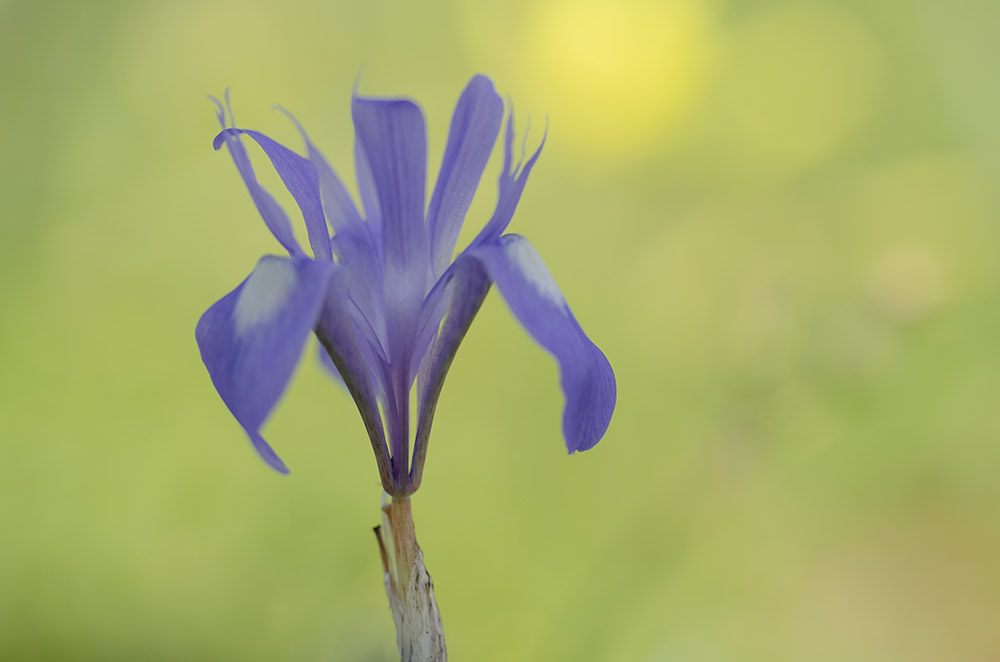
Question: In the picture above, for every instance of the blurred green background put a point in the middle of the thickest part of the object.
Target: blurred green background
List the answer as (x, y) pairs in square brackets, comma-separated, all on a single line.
[(778, 219)]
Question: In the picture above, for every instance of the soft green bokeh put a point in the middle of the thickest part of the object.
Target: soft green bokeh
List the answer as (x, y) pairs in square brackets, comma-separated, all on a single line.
[(778, 219)]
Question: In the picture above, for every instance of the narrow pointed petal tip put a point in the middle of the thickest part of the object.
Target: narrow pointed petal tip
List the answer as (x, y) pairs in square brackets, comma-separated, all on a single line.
[(267, 453), (393, 138), (252, 338)]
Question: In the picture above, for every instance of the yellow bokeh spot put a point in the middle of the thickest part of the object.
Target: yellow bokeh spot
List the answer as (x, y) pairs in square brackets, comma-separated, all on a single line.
[(617, 78)]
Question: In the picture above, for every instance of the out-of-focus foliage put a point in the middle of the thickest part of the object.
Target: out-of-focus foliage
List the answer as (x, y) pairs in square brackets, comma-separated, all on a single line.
[(778, 219)]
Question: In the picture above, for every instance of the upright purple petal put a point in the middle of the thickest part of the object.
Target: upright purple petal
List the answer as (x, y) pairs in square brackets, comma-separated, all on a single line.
[(251, 339), (588, 381), (300, 178), (474, 128), (392, 136), (512, 184)]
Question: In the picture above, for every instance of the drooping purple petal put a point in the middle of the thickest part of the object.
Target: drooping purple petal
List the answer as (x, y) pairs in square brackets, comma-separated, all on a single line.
[(341, 212), (588, 381), (251, 339), (474, 128), (512, 182), (272, 213), (393, 139), (300, 178)]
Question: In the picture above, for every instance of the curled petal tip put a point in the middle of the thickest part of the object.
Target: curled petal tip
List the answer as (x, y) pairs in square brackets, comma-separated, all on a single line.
[(221, 138)]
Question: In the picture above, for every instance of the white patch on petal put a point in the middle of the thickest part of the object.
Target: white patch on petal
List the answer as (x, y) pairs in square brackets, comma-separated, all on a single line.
[(264, 294), (531, 266)]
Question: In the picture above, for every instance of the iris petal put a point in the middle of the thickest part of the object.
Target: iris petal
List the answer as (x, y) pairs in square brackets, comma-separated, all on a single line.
[(588, 381), (300, 178), (524, 281), (474, 128), (392, 135), (272, 213), (251, 339)]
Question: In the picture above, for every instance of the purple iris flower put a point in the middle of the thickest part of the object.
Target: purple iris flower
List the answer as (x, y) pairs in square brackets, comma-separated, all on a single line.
[(383, 294)]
